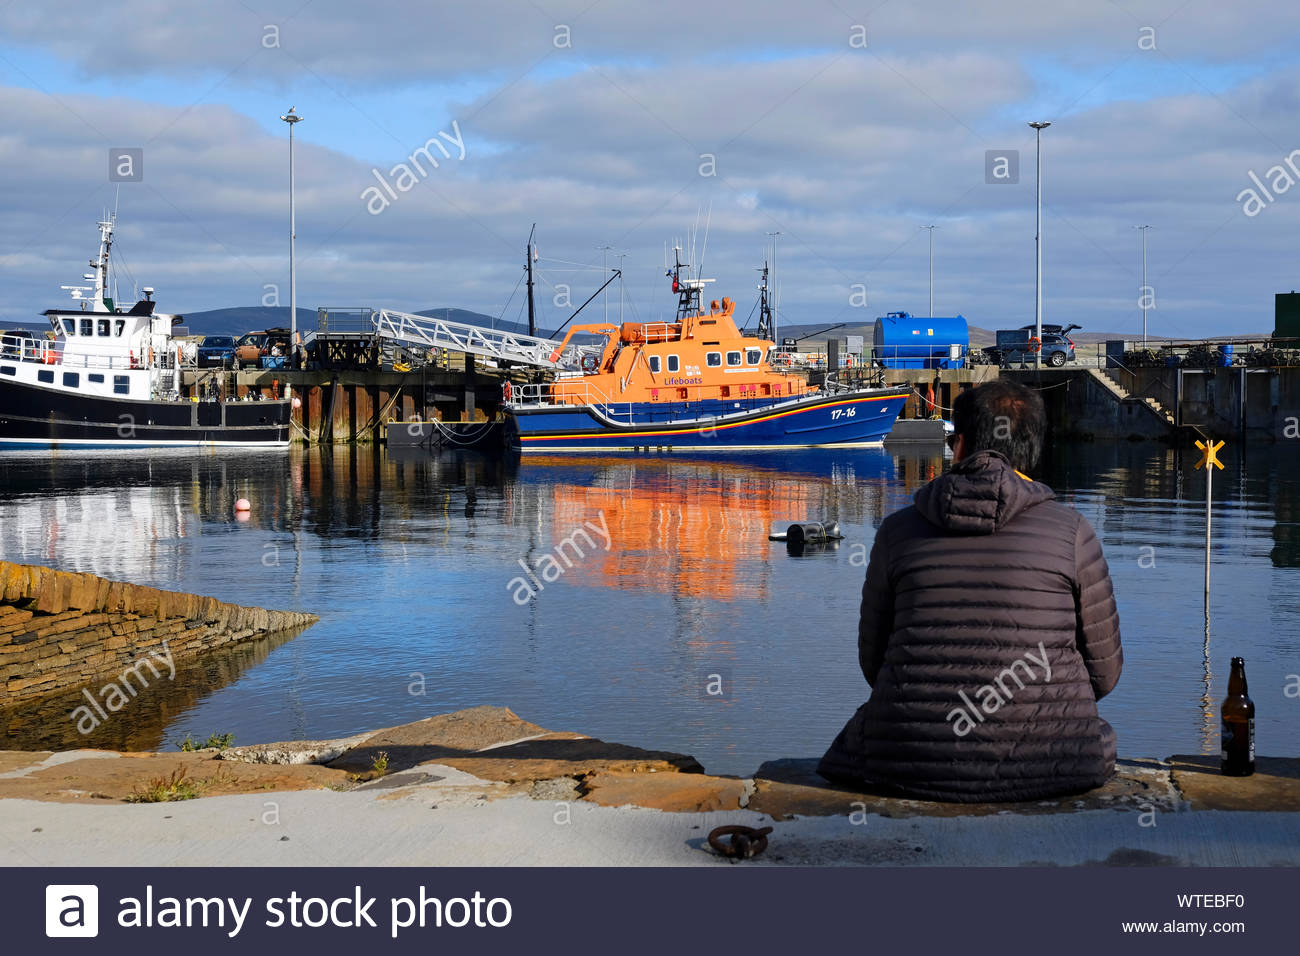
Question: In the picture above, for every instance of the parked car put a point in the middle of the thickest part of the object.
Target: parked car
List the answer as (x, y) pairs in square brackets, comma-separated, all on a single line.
[(219, 351), (1014, 346), (255, 348), (248, 348)]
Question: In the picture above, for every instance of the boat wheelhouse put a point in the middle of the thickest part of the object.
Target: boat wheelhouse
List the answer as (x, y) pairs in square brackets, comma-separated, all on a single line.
[(103, 377), (698, 382)]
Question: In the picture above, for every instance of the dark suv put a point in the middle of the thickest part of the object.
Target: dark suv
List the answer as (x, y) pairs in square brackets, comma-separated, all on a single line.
[(1014, 346)]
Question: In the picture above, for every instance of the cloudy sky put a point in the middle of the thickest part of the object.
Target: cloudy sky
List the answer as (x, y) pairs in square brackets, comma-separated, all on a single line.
[(843, 125)]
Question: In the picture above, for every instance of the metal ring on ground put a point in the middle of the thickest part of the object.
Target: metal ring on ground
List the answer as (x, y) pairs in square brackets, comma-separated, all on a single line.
[(746, 842)]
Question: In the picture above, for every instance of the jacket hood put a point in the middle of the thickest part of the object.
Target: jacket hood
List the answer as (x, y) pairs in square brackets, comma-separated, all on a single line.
[(979, 495)]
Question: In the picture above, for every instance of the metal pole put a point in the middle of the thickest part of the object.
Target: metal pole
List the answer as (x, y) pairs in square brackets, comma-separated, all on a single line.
[(775, 340), (1038, 240), (604, 274), (931, 231), (1209, 486), (528, 265), (621, 257), (292, 119), (1143, 230)]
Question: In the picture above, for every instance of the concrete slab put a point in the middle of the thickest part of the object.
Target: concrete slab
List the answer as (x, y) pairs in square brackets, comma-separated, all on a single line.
[(1275, 785)]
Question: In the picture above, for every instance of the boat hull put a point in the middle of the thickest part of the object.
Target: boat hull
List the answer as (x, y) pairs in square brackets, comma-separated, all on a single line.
[(850, 418), (34, 418)]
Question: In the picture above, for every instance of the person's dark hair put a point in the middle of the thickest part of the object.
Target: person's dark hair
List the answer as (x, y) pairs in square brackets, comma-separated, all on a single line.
[(1002, 416)]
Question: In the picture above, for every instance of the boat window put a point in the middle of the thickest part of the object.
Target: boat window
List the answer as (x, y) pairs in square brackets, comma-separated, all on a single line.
[(87, 326), (72, 379), (119, 327), (674, 364), (654, 364), (45, 375), (712, 359), (8, 370), (99, 379), (103, 327), (69, 326), (753, 356), (121, 384), (733, 358)]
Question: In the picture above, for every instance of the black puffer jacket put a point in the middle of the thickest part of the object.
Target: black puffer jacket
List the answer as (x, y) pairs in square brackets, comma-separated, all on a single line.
[(988, 634)]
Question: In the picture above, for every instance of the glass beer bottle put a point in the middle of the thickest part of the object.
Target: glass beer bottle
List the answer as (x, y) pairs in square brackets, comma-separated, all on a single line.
[(1238, 712)]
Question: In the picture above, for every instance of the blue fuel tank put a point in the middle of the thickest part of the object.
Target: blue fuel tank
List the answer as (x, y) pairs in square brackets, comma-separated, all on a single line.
[(906, 341)]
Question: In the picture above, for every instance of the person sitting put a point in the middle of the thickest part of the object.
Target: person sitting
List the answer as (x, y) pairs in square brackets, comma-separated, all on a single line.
[(988, 628)]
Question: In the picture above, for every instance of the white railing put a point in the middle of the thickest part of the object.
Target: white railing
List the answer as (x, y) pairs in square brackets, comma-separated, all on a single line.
[(568, 394), (473, 339), (41, 351)]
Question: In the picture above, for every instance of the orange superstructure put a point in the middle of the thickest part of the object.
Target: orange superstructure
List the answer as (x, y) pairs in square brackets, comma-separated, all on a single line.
[(702, 356)]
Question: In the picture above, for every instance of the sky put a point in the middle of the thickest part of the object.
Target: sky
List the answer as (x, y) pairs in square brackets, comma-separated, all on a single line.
[(844, 127)]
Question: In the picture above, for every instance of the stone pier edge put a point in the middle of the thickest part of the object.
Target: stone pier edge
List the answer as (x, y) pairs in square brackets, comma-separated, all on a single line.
[(65, 629)]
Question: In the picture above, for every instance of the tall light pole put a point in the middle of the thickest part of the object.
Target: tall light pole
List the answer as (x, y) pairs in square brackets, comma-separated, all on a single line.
[(292, 118), (931, 230), (621, 257), (1038, 240), (1142, 300), (604, 259)]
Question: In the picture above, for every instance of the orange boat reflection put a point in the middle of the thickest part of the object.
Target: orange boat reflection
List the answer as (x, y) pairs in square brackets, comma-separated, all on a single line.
[(700, 527)]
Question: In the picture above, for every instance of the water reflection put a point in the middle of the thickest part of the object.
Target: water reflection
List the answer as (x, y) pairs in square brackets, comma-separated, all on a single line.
[(408, 558), (689, 526), (143, 723)]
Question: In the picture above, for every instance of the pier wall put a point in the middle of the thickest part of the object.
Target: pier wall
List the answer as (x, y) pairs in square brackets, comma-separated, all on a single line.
[(353, 406), (61, 629), (1169, 403)]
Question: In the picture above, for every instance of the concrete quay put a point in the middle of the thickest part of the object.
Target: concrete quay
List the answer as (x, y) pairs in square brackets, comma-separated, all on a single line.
[(485, 787)]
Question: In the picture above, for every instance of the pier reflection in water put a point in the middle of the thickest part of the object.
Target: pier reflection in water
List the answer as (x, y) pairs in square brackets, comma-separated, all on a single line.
[(409, 559)]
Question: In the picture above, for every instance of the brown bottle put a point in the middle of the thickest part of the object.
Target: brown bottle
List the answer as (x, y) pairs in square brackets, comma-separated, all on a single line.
[(1238, 712)]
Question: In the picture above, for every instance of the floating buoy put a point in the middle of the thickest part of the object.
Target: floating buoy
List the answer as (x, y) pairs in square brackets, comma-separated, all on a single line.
[(242, 516), (243, 504), (813, 532), (297, 402)]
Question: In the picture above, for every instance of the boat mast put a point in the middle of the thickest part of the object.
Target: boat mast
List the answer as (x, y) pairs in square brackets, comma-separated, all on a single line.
[(101, 282), (528, 264), (688, 290), (764, 307)]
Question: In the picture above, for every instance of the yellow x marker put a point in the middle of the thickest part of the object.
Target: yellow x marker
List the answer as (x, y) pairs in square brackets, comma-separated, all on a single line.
[(1209, 454)]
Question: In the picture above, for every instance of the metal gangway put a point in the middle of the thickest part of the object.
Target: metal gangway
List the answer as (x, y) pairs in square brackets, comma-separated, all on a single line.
[(430, 333)]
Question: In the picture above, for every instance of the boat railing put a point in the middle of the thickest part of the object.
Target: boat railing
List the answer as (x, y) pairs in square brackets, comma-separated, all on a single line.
[(569, 393), (42, 351)]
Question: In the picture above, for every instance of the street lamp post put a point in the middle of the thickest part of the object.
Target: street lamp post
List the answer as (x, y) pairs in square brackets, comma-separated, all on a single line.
[(292, 118), (604, 274), (621, 257), (1144, 297), (931, 229), (1038, 240)]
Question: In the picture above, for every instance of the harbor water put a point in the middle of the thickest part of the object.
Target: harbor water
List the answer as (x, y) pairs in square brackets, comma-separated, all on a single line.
[(633, 598)]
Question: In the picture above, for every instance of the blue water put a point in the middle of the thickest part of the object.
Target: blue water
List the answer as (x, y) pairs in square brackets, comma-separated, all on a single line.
[(412, 562)]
